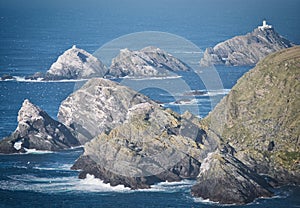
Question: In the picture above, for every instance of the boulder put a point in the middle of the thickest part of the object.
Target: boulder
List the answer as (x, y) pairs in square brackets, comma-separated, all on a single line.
[(75, 63), (37, 130), (225, 179), (147, 62), (247, 49)]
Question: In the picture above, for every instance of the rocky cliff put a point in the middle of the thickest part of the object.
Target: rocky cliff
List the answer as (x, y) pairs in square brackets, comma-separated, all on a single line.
[(75, 63), (98, 106), (260, 117), (245, 50), (132, 140), (37, 130), (147, 62), (152, 145), (225, 179)]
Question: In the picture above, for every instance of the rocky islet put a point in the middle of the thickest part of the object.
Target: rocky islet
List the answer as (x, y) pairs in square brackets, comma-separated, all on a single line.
[(246, 50), (37, 130)]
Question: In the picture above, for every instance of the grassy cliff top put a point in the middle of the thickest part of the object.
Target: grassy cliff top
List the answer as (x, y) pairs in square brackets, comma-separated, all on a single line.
[(261, 114)]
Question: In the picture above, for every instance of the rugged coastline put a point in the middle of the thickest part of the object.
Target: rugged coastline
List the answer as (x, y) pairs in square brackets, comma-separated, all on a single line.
[(137, 142)]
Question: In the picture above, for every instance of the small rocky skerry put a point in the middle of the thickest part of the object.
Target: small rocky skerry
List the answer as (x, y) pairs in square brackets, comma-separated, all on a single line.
[(37, 130)]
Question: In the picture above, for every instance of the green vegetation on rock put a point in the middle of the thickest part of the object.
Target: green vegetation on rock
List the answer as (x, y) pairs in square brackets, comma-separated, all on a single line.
[(260, 117)]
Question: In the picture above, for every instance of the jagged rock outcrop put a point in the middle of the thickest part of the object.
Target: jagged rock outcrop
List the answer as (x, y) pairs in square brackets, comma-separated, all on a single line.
[(98, 106), (75, 63), (245, 50), (152, 145), (37, 130), (260, 117), (147, 62), (132, 140), (225, 179)]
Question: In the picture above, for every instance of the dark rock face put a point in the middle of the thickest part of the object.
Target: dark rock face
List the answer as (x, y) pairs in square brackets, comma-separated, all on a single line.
[(245, 50), (225, 179), (147, 143), (75, 63), (37, 130), (260, 117), (147, 62)]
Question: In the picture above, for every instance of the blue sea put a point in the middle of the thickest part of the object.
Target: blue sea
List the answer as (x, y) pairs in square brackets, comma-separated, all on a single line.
[(34, 33)]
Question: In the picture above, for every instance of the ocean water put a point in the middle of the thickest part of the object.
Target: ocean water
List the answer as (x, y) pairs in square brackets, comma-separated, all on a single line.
[(34, 33)]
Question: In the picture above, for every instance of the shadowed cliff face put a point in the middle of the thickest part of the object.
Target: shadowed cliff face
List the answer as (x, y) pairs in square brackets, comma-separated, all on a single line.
[(225, 179), (260, 117), (245, 50)]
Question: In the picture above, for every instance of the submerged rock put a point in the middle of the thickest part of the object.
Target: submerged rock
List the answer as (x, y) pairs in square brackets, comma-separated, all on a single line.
[(147, 62), (225, 179), (260, 117), (37, 130), (7, 77), (246, 50), (36, 76), (75, 63)]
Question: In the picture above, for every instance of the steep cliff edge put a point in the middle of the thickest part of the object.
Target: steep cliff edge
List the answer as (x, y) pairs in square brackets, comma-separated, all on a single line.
[(247, 49), (225, 179), (260, 117)]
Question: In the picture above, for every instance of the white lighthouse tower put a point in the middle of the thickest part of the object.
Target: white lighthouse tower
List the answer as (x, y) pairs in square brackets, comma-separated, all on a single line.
[(265, 26)]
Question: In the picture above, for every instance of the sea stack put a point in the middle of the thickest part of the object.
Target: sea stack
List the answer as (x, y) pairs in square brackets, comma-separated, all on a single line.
[(147, 62), (37, 130), (246, 50), (75, 63)]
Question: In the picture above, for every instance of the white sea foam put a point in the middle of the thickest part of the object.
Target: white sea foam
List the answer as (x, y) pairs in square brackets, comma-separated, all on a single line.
[(27, 182), (218, 92), (31, 182), (152, 78), (92, 184), (170, 186), (23, 79), (185, 102), (55, 167), (205, 201), (34, 151)]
